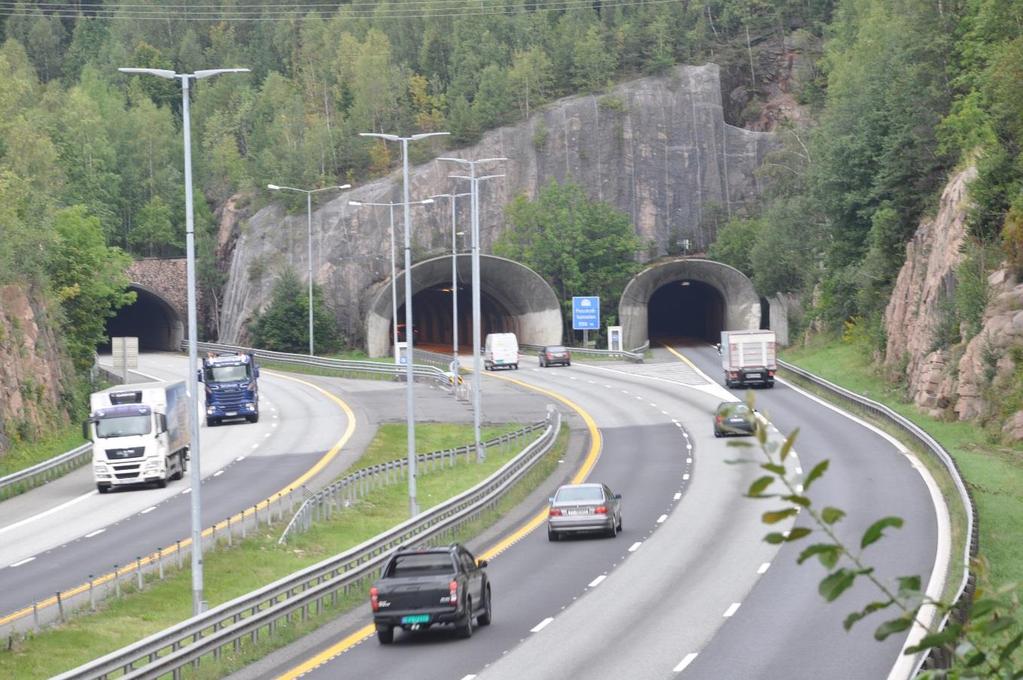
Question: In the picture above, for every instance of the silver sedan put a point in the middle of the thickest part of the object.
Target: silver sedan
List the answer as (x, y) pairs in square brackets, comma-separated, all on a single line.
[(584, 508)]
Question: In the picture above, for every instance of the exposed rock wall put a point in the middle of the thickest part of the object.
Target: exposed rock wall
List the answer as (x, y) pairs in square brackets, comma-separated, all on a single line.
[(925, 282), (31, 368), (657, 148)]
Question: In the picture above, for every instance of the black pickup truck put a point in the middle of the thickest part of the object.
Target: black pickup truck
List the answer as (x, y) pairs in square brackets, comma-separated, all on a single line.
[(423, 587)]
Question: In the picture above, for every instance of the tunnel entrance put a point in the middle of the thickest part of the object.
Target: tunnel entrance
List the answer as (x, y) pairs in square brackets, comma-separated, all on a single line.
[(513, 299), (686, 308), (432, 312), (151, 319)]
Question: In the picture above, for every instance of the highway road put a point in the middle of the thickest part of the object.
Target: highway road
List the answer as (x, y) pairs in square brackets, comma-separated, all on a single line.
[(688, 589), (55, 536)]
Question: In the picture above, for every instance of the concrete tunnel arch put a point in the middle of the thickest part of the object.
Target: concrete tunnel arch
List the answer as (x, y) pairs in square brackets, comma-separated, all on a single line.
[(708, 297), (151, 318), (514, 298)]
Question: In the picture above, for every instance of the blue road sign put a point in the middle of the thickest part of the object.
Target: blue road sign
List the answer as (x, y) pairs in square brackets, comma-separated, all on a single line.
[(586, 313)]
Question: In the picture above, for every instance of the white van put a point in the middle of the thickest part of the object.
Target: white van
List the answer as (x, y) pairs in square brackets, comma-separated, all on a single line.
[(501, 351)]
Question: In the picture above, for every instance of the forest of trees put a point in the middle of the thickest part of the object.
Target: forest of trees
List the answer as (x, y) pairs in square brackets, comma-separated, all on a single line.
[(904, 91)]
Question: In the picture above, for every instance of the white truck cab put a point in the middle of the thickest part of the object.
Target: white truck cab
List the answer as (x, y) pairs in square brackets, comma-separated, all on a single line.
[(501, 351)]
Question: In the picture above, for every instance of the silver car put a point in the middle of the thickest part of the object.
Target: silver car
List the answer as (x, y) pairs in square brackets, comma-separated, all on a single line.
[(584, 508)]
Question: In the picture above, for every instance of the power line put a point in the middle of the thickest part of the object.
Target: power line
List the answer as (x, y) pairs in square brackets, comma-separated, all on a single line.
[(406, 9)]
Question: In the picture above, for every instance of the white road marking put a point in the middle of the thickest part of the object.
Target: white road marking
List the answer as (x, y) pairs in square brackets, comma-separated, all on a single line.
[(635, 546), (675, 420), (689, 447), (678, 495), (255, 446), (661, 519), (48, 512), (239, 459), (665, 413), (218, 473), (597, 581), (655, 406), (95, 533), (764, 567), (148, 510), (639, 398), (689, 461), (188, 490), (607, 386), (684, 433), (469, 677), (540, 626), (684, 662), (625, 391), (25, 561), (732, 609), (685, 477)]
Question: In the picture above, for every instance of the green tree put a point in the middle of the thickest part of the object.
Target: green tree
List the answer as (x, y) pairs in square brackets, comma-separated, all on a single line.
[(593, 61), (493, 103), (580, 246), (153, 232), (284, 325), (89, 280), (531, 79), (734, 243)]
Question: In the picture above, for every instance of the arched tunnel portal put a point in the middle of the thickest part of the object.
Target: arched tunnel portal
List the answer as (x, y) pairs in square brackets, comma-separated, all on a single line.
[(687, 297), (513, 298), (151, 318)]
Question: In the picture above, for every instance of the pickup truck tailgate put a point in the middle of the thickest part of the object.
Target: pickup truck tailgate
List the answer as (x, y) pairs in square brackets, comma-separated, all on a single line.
[(409, 594)]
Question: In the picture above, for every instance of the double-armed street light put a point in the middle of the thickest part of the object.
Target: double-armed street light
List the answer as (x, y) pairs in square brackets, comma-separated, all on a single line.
[(309, 219), (454, 280), (476, 368), (409, 374), (394, 283), (198, 603)]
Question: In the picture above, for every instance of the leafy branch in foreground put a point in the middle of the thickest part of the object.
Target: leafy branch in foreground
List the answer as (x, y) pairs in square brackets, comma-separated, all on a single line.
[(986, 645)]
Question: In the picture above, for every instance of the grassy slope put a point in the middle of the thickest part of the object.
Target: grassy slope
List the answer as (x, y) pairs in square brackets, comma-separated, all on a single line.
[(993, 471)]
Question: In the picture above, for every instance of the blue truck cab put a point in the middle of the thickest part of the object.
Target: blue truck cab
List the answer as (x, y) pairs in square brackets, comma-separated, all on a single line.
[(232, 388)]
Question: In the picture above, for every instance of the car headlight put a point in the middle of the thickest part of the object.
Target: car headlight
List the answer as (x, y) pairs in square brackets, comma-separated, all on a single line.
[(250, 406), (210, 410)]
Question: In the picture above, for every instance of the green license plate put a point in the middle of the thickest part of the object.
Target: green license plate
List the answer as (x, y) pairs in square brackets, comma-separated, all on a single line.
[(416, 618)]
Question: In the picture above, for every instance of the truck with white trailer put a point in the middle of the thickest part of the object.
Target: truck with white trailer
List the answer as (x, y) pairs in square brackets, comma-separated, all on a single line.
[(140, 434), (748, 358)]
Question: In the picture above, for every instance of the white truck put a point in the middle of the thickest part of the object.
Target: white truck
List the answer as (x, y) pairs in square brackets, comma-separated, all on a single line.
[(140, 434), (748, 358)]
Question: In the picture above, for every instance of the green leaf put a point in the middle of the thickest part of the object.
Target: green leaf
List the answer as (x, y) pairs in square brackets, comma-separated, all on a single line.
[(869, 609), (982, 608), (798, 500), (775, 538), (827, 553), (776, 516), (798, 533), (876, 530), (947, 636), (818, 470), (836, 583), (775, 468), (786, 447), (892, 627), (831, 515), (1011, 648), (756, 489), (997, 625), (909, 585)]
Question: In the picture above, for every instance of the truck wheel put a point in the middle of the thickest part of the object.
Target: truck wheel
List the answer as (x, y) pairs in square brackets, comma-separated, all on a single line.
[(486, 616), (210, 422), (254, 419), (613, 531), (180, 464), (102, 488), (385, 635), (464, 629), (161, 483)]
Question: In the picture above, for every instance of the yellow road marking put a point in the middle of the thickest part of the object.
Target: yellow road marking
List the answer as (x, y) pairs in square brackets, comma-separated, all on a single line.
[(170, 550), (680, 356), (596, 443)]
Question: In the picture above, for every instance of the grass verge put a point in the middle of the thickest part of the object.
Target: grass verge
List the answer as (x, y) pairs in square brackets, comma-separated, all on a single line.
[(991, 470), (250, 564)]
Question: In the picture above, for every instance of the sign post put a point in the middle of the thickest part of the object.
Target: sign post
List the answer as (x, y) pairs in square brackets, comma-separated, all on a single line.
[(125, 355), (585, 315)]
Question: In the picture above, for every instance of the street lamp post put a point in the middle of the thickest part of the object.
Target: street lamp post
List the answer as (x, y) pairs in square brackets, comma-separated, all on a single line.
[(454, 280), (394, 289), (198, 604), (309, 219), (409, 375), (476, 368)]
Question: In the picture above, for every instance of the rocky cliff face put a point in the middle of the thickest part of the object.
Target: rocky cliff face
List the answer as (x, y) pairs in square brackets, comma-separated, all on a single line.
[(31, 368), (968, 382), (657, 148)]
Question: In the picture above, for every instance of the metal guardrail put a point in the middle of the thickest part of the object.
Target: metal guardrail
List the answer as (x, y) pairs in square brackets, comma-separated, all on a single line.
[(223, 627), (351, 366), (629, 355), (938, 658), (23, 480)]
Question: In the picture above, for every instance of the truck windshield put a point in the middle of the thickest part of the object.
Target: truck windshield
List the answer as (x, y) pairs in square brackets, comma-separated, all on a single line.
[(219, 374), (421, 564), (123, 426)]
